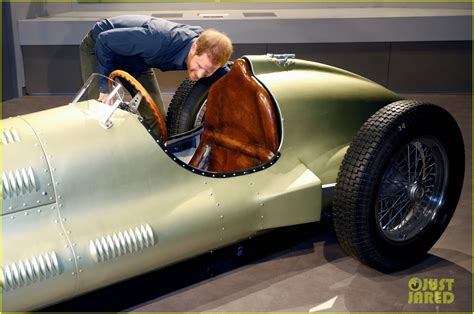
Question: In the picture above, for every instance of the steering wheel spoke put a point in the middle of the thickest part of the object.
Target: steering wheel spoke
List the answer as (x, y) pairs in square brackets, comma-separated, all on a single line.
[(142, 93)]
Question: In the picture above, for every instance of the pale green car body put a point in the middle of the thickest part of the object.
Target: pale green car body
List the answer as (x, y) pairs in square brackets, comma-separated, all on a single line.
[(86, 206)]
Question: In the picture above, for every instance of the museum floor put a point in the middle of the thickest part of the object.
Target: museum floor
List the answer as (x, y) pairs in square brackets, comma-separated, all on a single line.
[(295, 269)]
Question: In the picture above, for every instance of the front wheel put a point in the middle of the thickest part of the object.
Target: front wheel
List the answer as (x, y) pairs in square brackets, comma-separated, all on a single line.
[(188, 105), (399, 184)]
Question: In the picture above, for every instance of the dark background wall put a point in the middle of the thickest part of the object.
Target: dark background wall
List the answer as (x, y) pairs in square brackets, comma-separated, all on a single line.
[(439, 67), (421, 65), (9, 81)]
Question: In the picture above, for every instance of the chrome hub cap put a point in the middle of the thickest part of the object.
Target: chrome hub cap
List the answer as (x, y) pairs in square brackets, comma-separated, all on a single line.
[(416, 193)]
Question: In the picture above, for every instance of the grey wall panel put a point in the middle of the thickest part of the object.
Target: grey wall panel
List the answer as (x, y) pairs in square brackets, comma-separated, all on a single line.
[(51, 69), (367, 59), (30, 10), (165, 6), (431, 66)]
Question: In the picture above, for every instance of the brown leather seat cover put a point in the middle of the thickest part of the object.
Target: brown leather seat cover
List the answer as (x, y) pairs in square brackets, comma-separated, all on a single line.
[(240, 125)]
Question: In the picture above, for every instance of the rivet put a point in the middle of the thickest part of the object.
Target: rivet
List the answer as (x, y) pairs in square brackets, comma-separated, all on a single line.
[(64, 219), (38, 201), (59, 196), (223, 228), (74, 244), (44, 193), (51, 198), (67, 246), (52, 207), (54, 169), (222, 216), (80, 270), (205, 182), (174, 158), (73, 273), (261, 217), (24, 204), (26, 214), (60, 205), (56, 221), (57, 183), (218, 204), (49, 184), (45, 170), (61, 234), (78, 257), (165, 150), (261, 205), (10, 207), (12, 217), (223, 175), (39, 210), (70, 259), (211, 194), (69, 232)]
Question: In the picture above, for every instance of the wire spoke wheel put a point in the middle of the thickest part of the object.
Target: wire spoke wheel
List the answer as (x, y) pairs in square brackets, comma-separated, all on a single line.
[(413, 190), (399, 184)]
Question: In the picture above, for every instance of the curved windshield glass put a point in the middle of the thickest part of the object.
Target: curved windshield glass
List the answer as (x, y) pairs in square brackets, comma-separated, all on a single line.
[(90, 90)]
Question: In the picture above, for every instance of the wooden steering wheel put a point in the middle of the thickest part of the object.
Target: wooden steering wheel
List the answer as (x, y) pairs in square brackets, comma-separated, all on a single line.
[(148, 100)]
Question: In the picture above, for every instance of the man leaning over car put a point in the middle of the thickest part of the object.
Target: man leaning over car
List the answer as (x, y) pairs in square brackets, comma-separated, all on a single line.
[(138, 43)]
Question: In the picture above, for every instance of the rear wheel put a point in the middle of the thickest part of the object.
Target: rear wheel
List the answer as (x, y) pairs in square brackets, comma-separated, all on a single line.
[(399, 184)]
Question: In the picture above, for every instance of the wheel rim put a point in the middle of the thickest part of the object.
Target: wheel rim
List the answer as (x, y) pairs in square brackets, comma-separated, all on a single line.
[(198, 121), (413, 190)]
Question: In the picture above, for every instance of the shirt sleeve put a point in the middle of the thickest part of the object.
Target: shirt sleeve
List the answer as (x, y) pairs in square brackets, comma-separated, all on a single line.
[(133, 41)]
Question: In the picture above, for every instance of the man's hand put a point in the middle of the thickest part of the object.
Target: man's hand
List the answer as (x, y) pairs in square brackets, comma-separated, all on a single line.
[(106, 99)]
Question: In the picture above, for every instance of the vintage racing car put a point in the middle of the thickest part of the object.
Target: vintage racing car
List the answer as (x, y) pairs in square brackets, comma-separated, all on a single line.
[(91, 196)]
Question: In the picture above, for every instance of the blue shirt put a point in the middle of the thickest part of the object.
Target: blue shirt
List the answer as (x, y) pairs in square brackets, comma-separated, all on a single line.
[(139, 42)]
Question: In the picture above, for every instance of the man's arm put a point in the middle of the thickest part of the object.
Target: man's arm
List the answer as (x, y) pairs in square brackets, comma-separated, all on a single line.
[(122, 41)]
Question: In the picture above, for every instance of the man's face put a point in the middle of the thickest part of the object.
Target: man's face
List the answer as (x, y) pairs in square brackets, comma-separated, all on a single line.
[(199, 66)]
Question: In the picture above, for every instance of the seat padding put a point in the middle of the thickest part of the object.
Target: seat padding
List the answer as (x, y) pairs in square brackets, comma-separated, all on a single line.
[(241, 128)]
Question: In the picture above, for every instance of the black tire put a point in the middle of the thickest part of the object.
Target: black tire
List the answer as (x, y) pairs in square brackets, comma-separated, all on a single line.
[(388, 209), (186, 111)]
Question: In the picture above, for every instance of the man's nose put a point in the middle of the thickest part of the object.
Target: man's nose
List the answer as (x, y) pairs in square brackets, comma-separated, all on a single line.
[(200, 74)]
